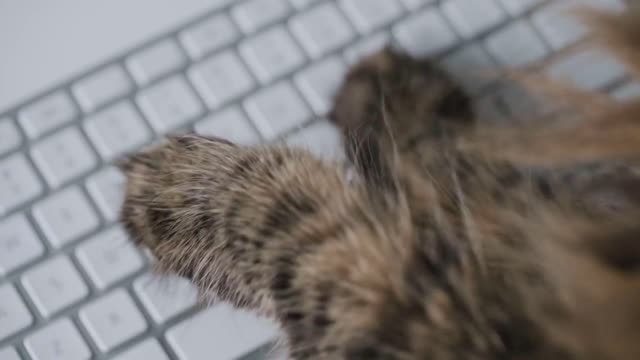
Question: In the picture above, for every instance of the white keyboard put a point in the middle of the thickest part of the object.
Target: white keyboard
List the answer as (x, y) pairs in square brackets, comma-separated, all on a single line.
[(73, 288)]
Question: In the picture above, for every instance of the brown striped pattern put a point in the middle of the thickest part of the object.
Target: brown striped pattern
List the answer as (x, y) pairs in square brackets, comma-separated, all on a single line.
[(448, 245)]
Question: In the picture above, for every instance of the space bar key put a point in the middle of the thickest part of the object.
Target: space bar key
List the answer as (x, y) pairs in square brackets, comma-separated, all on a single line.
[(220, 333)]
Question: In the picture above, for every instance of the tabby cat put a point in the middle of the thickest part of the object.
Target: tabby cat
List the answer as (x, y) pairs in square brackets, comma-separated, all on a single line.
[(448, 238)]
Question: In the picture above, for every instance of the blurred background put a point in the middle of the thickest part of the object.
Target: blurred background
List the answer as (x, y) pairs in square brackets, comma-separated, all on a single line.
[(83, 82)]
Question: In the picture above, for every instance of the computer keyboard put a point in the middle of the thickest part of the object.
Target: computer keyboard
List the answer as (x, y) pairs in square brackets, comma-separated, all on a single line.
[(71, 285)]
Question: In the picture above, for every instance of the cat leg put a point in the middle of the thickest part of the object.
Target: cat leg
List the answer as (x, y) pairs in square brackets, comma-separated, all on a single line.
[(400, 103), (272, 230)]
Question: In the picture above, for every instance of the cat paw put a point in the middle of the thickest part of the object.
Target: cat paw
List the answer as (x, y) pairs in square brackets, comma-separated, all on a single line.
[(164, 188), (391, 92)]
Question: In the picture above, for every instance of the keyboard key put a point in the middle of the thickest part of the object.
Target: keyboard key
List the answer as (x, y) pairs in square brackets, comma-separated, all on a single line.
[(367, 46), (254, 14), (155, 61), (519, 7), (558, 26), (321, 138), (54, 285), (425, 34), (19, 244), (231, 333), (271, 54), (472, 67), (516, 45), (166, 297), (117, 130), (465, 17), (368, 15), (276, 110), (9, 354), (63, 156), (46, 114), (209, 35), (150, 349), (627, 92), (58, 341), (414, 4), (169, 104), (14, 315), (65, 216), (561, 26), (107, 190), (320, 82), (99, 88), (588, 70), (221, 79), (112, 320), (230, 124), (109, 257), (18, 182), (520, 103), (10, 136), (321, 30)]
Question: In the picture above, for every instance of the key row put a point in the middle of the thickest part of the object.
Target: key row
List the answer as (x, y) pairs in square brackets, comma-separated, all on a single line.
[(322, 26), (56, 285), (114, 319), (67, 155)]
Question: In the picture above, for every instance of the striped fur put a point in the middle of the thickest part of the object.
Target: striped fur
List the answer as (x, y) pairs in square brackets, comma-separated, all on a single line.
[(453, 242)]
